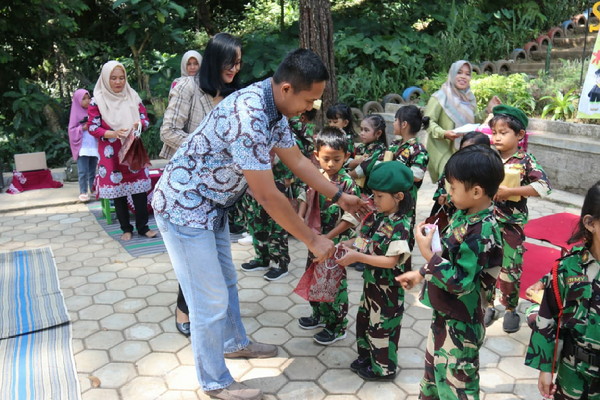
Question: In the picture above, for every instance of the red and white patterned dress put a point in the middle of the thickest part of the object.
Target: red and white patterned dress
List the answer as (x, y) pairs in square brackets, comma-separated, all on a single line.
[(115, 179)]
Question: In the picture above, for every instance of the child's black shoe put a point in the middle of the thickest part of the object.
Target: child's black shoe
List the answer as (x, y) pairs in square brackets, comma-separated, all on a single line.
[(368, 375), (275, 273), (360, 363)]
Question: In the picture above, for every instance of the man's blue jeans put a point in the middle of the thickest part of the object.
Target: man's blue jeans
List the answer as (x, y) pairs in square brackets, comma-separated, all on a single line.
[(205, 270)]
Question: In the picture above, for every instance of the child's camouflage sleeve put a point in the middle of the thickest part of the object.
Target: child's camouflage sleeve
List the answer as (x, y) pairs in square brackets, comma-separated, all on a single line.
[(536, 177), (441, 188), (349, 186), (419, 161)]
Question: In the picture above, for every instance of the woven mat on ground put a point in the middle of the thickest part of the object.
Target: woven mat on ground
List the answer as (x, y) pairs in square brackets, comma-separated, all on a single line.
[(36, 355), (138, 245)]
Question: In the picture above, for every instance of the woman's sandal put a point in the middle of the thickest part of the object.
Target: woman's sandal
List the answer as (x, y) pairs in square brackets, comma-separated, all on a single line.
[(151, 234), (126, 236)]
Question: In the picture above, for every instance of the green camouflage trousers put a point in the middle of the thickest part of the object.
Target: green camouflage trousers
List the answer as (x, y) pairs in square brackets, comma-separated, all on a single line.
[(270, 240), (452, 359), (572, 385), (509, 278), (333, 314), (378, 324)]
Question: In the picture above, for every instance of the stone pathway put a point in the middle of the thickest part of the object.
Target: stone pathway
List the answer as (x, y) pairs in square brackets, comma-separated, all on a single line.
[(124, 336)]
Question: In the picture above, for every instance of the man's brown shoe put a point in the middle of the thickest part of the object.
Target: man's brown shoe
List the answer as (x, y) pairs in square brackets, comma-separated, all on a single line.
[(254, 350), (236, 391)]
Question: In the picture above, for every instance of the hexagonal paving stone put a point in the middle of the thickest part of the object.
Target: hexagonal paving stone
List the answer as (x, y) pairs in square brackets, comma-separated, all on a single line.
[(495, 381), (409, 380), (83, 329), (381, 390), (131, 272), (150, 279), (340, 381), (269, 380), (121, 284), (103, 340), (115, 375), (118, 321), (504, 345), (276, 336), (157, 364), (410, 338), (334, 357), (96, 311), (109, 297), (130, 350), (130, 305), (279, 303), (410, 358), (161, 299), (153, 314), (169, 342), (251, 295), (101, 394), (144, 331), (251, 309), (300, 390), (76, 303), (274, 318), (515, 367), (101, 277), (143, 388), (90, 360), (181, 395), (298, 347), (303, 369), (182, 378), (89, 289), (141, 291)]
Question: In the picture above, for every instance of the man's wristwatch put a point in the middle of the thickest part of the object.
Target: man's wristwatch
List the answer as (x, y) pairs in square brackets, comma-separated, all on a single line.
[(337, 196)]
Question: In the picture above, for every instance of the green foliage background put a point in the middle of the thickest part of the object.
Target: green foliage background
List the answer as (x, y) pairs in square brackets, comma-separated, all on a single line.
[(52, 47)]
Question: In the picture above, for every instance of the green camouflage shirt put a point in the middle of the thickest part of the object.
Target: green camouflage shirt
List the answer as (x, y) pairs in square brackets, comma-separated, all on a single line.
[(515, 212), (332, 213), (579, 287), (385, 235), (413, 154), (468, 267)]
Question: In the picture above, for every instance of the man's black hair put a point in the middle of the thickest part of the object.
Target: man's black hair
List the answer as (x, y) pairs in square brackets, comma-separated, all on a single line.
[(220, 54), (333, 137), (301, 68), (476, 165)]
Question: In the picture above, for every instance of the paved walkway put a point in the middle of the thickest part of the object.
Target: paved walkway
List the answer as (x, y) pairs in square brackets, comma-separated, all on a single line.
[(124, 336)]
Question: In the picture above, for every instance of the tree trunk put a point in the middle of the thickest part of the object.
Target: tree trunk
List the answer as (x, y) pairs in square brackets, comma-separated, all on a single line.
[(204, 17), (316, 34)]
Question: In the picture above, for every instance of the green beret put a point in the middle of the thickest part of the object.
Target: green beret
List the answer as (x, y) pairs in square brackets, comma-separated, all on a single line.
[(390, 177), (513, 112)]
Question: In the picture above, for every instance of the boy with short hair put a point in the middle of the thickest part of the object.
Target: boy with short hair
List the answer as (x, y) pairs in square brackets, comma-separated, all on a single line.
[(331, 150), (457, 280)]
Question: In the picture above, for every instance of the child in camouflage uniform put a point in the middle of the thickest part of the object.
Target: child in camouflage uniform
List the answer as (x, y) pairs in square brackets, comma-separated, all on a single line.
[(578, 283), (440, 197), (331, 151), (304, 129), (382, 245), (457, 281), (508, 127), (373, 145), (270, 240)]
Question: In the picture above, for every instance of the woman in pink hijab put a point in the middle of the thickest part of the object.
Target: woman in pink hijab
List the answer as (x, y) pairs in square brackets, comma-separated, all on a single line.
[(84, 147)]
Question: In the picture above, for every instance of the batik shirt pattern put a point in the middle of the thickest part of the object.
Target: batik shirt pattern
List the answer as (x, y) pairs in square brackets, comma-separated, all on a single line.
[(205, 175)]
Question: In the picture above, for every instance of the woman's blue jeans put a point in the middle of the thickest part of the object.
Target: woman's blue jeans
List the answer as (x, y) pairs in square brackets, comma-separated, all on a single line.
[(205, 270)]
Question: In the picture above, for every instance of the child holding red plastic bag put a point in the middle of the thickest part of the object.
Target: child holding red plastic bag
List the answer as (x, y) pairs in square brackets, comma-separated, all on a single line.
[(382, 245)]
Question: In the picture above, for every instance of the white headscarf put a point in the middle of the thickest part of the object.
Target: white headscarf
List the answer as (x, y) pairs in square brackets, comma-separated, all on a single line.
[(118, 110), (458, 104), (184, 60)]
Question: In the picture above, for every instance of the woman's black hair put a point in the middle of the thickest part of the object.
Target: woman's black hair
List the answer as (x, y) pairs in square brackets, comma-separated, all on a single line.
[(414, 117), (333, 137), (220, 53), (378, 124), (342, 111), (591, 206), (475, 137), (513, 123), (476, 165)]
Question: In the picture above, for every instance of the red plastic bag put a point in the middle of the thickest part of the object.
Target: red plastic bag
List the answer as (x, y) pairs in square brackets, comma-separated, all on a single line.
[(320, 281), (133, 153)]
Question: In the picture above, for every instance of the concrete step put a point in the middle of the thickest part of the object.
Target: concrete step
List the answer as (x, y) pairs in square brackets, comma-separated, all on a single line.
[(575, 41), (566, 54)]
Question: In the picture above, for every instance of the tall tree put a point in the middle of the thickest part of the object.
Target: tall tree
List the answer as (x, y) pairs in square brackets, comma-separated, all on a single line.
[(316, 33)]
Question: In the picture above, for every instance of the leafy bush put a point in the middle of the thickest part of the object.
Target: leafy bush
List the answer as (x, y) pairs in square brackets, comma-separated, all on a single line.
[(28, 131), (562, 106), (512, 90)]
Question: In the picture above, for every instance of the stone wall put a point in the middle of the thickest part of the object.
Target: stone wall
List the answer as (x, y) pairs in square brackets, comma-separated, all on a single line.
[(568, 152)]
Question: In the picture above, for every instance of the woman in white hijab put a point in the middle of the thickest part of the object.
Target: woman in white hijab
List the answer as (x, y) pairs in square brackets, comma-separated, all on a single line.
[(451, 107), (114, 110), (190, 65)]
